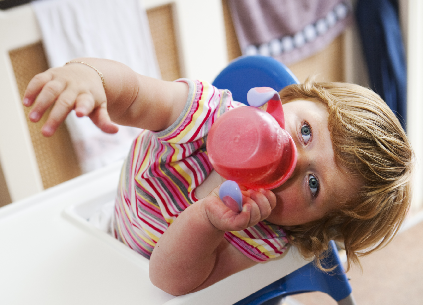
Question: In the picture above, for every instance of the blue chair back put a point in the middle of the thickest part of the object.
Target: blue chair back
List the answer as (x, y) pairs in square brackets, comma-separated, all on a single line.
[(308, 279), (247, 72)]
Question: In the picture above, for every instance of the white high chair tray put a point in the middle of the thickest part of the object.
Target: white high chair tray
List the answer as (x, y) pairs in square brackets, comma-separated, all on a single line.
[(50, 254)]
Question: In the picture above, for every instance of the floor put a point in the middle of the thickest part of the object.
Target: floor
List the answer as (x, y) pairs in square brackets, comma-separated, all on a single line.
[(393, 275)]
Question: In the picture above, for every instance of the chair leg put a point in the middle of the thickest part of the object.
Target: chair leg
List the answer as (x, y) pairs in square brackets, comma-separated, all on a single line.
[(349, 300)]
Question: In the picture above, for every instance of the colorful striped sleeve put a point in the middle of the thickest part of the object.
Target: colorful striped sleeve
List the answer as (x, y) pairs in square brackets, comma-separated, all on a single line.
[(261, 242), (204, 105)]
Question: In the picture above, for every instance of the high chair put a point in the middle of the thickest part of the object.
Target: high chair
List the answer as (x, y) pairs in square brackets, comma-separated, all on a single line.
[(51, 253)]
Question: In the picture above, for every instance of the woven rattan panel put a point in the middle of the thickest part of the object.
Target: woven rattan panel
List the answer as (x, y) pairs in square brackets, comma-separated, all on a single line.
[(4, 192), (232, 44), (164, 39), (55, 155)]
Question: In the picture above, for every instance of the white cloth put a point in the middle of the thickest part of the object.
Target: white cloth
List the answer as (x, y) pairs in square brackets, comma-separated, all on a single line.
[(109, 29), (102, 217)]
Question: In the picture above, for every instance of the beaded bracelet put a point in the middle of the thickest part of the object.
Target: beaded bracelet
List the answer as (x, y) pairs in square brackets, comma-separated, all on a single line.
[(98, 72)]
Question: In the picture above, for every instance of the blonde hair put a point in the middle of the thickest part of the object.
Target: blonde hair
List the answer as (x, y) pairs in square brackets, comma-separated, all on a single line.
[(369, 141)]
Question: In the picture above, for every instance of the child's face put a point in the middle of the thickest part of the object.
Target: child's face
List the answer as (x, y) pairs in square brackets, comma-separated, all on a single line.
[(317, 185)]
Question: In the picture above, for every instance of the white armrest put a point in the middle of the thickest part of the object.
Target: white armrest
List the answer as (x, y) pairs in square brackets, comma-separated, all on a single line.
[(18, 28), (54, 256)]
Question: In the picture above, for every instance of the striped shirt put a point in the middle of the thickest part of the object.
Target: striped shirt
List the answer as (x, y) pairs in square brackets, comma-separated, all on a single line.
[(162, 171)]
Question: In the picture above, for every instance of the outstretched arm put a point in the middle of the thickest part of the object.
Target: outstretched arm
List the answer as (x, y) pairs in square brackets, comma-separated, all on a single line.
[(193, 254), (127, 97)]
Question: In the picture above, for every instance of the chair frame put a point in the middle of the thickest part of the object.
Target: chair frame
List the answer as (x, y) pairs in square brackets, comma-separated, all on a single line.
[(18, 160)]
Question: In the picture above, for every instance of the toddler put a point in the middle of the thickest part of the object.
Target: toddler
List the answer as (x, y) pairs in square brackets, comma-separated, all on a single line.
[(351, 182)]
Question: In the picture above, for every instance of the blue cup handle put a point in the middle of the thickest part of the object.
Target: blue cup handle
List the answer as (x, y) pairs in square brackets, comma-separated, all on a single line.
[(231, 195), (258, 98)]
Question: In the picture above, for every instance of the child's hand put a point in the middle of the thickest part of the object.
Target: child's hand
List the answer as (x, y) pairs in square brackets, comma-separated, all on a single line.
[(257, 206), (72, 87)]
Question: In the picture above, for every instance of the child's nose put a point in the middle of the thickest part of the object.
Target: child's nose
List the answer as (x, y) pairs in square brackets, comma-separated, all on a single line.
[(300, 164)]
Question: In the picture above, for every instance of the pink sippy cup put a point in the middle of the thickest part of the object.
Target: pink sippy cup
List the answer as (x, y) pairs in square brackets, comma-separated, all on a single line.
[(250, 146)]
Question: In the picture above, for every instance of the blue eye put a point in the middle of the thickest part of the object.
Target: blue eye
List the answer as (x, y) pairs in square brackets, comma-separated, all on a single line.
[(306, 132), (313, 184)]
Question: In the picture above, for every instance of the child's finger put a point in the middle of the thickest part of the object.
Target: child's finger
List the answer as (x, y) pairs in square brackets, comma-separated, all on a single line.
[(34, 87), (101, 119), (255, 214), (271, 197), (63, 106), (48, 95), (84, 104), (263, 204)]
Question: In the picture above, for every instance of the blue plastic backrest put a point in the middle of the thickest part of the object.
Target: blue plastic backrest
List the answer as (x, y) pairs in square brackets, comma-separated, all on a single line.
[(307, 279), (247, 72)]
